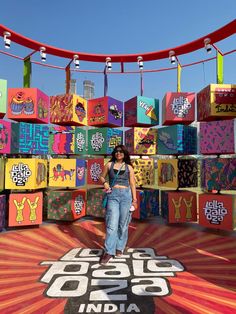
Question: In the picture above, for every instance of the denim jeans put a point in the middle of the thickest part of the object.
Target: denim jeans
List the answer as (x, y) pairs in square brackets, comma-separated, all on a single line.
[(118, 218)]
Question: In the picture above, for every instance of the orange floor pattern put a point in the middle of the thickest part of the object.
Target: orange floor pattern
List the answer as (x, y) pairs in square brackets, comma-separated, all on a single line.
[(166, 269)]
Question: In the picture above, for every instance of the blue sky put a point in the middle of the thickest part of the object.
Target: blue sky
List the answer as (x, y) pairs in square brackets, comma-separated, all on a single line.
[(118, 27)]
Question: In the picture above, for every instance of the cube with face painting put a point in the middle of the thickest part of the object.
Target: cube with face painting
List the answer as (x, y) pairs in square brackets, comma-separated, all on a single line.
[(3, 98), (28, 104), (66, 205), (141, 141), (105, 111), (25, 209), (141, 111), (25, 173), (102, 141), (68, 109)]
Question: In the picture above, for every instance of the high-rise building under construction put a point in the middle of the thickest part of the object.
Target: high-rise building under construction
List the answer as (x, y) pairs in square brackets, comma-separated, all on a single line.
[(88, 89)]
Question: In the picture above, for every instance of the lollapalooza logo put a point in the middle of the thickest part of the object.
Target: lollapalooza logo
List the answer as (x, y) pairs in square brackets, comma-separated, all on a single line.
[(215, 211), (97, 141), (180, 106), (126, 284), (80, 140), (20, 174), (79, 203)]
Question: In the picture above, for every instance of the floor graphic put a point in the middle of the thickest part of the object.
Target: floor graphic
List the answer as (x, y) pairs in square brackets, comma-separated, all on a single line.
[(165, 269)]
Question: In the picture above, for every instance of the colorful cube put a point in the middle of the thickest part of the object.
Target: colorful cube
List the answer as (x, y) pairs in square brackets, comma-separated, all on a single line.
[(95, 168), (178, 173), (64, 172), (102, 141), (68, 109), (141, 111), (141, 141), (168, 173), (25, 173), (2, 211), (177, 140), (178, 108), (148, 203), (217, 211), (105, 111), (218, 137), (216, 102), (9, 137), (28, 104), (2, 173), (179, 206), (80, 141), (143, 171), (219, 174), (33, 138), (94, 203), (3, 98), (67, 205), (25, 209), (61, 139)]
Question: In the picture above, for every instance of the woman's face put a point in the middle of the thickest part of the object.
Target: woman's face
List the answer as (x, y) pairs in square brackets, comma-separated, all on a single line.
[(119, 154)]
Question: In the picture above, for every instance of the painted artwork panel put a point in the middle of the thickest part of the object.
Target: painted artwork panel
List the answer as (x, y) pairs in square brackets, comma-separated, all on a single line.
[(94, 169), (168, 173), (25, 209), (3, 98), (61, 139), (80, 141), (147, 111), (62, 172), (143, 171), (94, 203), (80, 172), (2, 211)]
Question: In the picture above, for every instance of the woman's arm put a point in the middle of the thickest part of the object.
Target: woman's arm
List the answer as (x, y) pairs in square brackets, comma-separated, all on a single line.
[(104, 174), (132, 186)]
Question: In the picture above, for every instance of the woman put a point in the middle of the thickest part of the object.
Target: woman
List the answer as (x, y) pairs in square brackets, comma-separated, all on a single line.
[(122, 196)]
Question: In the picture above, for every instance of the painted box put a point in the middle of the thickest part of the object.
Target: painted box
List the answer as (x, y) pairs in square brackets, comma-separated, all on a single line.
[(94, 203), (33, 138), (105, 111), (177, 140), (61, 139), (25, 209), (80, 141), (66, 205), (143, 171), (141, 111), (2, 173), (28, 104), (148, 203), (25, 173), (179, 206), (216, 102), (9, 137), (218, 137), (102, 141), (141, 141), (178, 173), (3, 98), (178, 108), (95, 168), (64, 172), (217, 211), (68, 109), (218, 174), (2, 211)]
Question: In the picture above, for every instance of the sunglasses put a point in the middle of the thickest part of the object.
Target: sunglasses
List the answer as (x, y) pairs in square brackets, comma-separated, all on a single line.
[(119, 151)]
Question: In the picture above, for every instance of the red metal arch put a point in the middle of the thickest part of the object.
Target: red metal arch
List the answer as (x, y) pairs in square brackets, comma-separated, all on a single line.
[(216, 36)]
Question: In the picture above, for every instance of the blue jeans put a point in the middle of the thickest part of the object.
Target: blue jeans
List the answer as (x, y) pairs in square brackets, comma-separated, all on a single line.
[(118, 218)]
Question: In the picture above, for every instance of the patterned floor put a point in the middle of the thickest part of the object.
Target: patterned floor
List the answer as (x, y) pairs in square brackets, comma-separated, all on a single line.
[(165, 269)]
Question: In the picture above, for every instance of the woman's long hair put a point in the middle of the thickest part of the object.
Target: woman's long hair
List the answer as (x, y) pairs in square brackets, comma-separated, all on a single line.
[(126, 159)]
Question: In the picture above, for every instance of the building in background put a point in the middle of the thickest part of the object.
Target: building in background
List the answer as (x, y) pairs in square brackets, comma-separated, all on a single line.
[(73, 87), (88, 89)]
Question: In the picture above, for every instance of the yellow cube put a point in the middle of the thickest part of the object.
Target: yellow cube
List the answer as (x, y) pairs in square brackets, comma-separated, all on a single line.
[(25, 173), (168, 173), (62, 172), (143, 171)]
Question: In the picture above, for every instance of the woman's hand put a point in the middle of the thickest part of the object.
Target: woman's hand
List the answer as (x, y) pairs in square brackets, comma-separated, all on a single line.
[(106, 186), (135, 204)]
